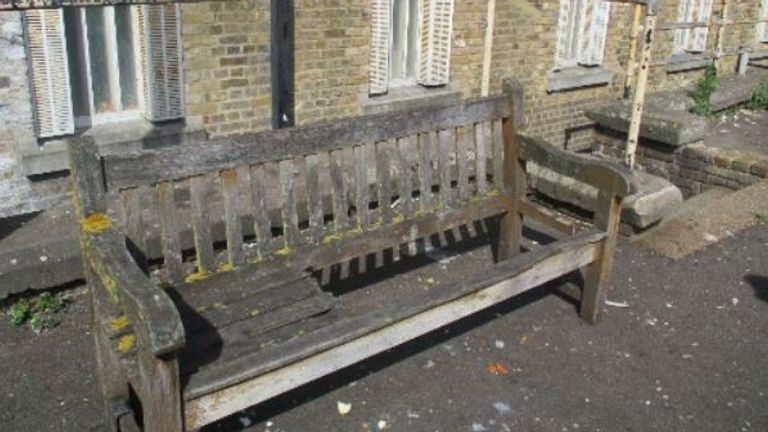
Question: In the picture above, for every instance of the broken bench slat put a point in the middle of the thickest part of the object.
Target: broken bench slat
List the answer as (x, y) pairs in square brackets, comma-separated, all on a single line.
[(505, 280)]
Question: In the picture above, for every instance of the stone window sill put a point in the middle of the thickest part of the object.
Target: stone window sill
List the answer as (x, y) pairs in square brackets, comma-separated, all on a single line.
[(113, 138), (682, 62), (577, 77), (407, 97)]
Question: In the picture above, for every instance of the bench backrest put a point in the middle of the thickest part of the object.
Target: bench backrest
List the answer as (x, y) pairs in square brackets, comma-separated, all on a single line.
[(274, 192)]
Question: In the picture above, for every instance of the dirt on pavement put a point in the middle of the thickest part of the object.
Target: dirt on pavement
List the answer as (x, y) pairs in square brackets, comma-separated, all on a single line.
[(688, 353)]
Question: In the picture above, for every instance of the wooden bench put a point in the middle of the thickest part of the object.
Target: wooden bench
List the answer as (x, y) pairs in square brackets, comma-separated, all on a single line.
[(202, 260)]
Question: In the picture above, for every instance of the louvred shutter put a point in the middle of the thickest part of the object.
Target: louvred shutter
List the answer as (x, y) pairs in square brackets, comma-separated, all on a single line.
[(378, 69), (762, 28), (51, 94), (698, 39), (684, 14), (596, 29), (561, 47), (159, 35), (435, 38)]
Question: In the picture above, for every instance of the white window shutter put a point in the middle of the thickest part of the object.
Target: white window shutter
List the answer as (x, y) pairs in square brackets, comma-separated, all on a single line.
[(698, 39), (159, 35), (596, 30), (762, 28), (51, 94), (561, 45), (378, 68), (435, 38), (684, 14)]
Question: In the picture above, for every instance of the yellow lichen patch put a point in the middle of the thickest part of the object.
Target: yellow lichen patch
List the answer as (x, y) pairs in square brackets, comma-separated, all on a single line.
[(96, 223), (217, 305), (197, 276), (226, 267), (254, 312), (398, 218), (285, 251), (257, 259), (494, 192), (330, 238), (126, 343), (119, 323)]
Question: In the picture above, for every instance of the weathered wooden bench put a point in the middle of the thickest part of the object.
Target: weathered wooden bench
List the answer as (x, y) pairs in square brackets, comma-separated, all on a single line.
[(202, 260)]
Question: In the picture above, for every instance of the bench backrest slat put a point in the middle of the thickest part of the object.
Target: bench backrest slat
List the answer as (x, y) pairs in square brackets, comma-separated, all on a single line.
[(223, 153), (199, 191)]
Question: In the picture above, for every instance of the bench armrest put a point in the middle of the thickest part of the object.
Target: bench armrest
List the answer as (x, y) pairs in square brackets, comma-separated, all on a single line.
[(603, 175), (150, 310)]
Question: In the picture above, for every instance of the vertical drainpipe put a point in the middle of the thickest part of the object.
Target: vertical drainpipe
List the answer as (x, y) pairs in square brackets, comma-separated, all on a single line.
[(281, 60)]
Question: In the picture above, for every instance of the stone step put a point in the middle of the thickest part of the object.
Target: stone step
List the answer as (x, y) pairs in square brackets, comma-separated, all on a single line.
[(706, 219), (654, 199)]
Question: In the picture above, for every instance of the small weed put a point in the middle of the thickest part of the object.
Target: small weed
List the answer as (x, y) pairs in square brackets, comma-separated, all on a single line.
[(38, 312), (761, 217), (706, 85), (759, 99), (19, 313)]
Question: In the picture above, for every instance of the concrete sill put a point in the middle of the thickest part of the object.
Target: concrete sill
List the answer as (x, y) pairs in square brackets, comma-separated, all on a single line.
[(113, 138), (686, 61), (401, 98), (577, 77)]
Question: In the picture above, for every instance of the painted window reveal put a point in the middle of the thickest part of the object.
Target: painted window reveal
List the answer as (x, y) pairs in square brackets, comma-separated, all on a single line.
[(581, 32), (410, 43), (693, 40), (100, 64)]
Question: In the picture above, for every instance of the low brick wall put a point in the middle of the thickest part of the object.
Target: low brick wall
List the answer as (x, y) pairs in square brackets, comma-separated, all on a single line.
[(693, 167)]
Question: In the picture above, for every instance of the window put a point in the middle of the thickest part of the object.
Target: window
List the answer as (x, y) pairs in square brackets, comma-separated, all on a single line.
[(581, 33), (762, 28), (99, 64), (692, 40), (410, 43)]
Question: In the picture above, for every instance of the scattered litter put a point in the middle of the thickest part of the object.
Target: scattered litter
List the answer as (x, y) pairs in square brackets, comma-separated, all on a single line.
[(43, 258), (14, 261), (413, 415), (395, 203), (523, 339), (245, 421), (651, 321), (498, 368), (709, 237), (734, 301), (669, 305), (478, 427), (502, 408), (499, 344), (617, 304), (343, 408), (430, 364), (270, 423), (687, 356), (381, 425)]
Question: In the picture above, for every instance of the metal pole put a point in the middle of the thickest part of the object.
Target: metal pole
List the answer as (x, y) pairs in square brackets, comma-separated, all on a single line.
[(642, 80), (632, 62)]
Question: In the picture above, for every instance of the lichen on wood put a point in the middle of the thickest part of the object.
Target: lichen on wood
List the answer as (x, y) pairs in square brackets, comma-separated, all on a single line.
[(119, 323), (97, 223), (126, 343), (197, 276)]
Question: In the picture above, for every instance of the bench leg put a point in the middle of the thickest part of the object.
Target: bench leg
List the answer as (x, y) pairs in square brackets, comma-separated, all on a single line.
[(510, 235), (161, 401), (112, 381), (598, 274)]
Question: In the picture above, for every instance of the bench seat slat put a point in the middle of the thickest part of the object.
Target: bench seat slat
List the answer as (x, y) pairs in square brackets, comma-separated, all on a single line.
[(534, 268)]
